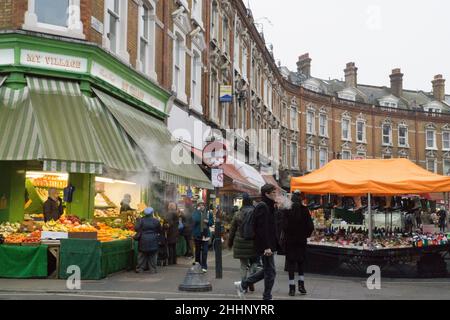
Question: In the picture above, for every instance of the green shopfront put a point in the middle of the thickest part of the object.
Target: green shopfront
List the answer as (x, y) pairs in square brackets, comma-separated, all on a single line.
[(71, 110)]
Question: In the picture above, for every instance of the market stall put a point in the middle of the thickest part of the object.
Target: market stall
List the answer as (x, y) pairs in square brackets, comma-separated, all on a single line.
[(372, 178)]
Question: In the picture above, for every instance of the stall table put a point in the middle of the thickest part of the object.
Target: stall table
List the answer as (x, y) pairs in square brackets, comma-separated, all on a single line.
[(23, 262)]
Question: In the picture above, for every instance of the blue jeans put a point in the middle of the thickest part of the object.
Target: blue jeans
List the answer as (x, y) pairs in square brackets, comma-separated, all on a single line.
[(201, 253), (268, 273)]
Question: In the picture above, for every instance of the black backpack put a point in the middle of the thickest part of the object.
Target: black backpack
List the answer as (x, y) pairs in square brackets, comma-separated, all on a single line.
[(247, 227)]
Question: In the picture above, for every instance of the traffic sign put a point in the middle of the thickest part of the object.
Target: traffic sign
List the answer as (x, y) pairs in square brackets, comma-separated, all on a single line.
[(215, 154), (217, 178)]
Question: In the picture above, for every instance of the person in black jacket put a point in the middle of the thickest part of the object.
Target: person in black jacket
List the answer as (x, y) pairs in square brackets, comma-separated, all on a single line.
[(297, 228), (148, 231), (53, 208), (172, 220), (188, 224), (266, 243)]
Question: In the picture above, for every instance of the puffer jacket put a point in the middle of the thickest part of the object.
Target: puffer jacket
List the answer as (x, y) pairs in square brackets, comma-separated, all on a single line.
[(242, 248), (150, 231)]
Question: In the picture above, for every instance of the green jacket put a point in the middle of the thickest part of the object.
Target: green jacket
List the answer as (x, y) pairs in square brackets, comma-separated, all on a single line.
[(242, 249)]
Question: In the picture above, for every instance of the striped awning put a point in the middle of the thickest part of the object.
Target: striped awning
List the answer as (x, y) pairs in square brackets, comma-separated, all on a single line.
[(155, 140), (116, 149), (65, 132), (2, 79), (18, 129)]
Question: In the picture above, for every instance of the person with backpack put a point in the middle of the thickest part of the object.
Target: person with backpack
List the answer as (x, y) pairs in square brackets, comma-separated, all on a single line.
[(297, 227), (263, 224), (244, 249)]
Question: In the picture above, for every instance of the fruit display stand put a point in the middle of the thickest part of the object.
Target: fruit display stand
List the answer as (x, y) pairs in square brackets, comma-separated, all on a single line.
[(23, 262), (96, 259)]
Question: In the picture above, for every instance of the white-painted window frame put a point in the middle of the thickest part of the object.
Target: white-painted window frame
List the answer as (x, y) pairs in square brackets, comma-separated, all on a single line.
[(294, 155), (406, 144), (349, 152), (443, 167), (349, 129), (364, 131), (148, 67), (389, 143), (310, 122), (196, 79), (122, 27), (179, 65), (434, 169), (310, 158), (323, 161), (434, 147), (74, 27), (323, 133), (444, 133)]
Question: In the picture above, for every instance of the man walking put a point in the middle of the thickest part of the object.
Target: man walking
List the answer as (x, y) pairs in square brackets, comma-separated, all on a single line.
[(265, 242), (203, 220)]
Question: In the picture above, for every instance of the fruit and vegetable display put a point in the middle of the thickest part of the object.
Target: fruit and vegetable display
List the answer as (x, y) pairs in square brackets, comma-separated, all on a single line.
[(29, 232), (50, 182), (358, 239), (107, 213)]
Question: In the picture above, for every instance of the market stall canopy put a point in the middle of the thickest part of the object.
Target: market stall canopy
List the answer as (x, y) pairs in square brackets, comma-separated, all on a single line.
[(377, 177), (18, 127), (2, 79), (116, 149), (65, 133), (271, 180), (249, 173), (155, 141), (234, 181)]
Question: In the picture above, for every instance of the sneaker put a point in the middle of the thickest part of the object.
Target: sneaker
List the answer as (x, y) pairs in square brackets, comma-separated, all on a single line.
[(240, 291), (204, 270)]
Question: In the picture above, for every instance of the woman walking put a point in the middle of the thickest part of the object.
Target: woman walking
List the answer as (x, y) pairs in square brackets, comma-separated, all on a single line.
[(172, 221), (243, 249), (148, 231), (297, 228)]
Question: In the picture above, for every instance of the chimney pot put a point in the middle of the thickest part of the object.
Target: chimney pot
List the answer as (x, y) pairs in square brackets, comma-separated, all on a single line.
[(304, 65), (397, 82), (351, 75), (439, 87)]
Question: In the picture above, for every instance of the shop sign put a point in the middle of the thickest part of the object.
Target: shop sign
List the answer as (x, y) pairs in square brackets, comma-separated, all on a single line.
[(226, 93), (6, 56), (217, 178), (117, 81), (53, 61), (97, 25)]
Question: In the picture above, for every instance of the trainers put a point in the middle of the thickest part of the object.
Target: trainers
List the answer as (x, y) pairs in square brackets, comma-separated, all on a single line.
[(240, 291), (204, 270)]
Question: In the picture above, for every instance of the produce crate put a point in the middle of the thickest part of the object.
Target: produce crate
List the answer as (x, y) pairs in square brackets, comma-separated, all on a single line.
[(83, 235)]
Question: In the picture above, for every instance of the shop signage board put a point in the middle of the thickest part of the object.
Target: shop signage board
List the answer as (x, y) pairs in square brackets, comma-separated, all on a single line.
[(53, 61), (226, 93), (217, 178), (117, 81), (97, 25), (6, 56)]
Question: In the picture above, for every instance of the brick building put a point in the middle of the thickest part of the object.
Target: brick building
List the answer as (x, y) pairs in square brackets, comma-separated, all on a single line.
[(190, 48)]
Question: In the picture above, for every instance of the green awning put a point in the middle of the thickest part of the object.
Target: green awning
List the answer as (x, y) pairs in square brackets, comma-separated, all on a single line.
[(65, 132), (155, 140), (18, 129), (115, 147), (2, 79)]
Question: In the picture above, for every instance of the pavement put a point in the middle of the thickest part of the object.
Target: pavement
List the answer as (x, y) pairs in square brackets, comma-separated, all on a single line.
[(164, 286)]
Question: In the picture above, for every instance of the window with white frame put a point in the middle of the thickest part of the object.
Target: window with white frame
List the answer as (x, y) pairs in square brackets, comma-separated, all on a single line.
[(346, 129), (197, 11), (196, 80), (294, 118), (446, 140), (386, 134), (323, 157), (310, 158), (431, 165), (361, 131), (146, 61), (179, 65), (284, 153), (225, 35), (431, 139), (60, 17), (214, 96), (346, 155), (214, 21), (323, 125), (237, 52), (244, 62), (403, 136), (294, 155), (115, 37), (269, 97), (310, 123), (446, 164)]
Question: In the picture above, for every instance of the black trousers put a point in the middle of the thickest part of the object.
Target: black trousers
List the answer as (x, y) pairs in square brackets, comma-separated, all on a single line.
[(201, 253), (268, 273), (294, 266), (172, 253)]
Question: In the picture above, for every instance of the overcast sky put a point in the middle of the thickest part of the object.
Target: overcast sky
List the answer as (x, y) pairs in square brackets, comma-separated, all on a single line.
[(378, 35)]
